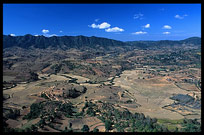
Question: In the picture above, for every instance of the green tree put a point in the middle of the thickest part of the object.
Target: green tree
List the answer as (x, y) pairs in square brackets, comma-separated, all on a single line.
[(35, 111), (70, 125), (34, 128), (90, 111), (108, 125), (95, 130), (85, 128), (27, 129), (41, 123), (67, 108)]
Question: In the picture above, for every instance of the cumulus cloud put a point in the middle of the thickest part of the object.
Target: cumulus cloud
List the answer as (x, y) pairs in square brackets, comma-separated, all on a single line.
[(36, 35), (138, 16), (114, 29), (106, 26), (147, 26), (139, 33), (45, 31), (93, 25), (12, 35), (167, 27), (166, 33), (180, 17), (103, 25)]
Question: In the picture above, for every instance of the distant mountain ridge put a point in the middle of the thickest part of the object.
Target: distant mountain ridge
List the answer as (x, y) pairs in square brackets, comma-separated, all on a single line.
[(65, 42), (146, 44), (60, 41)]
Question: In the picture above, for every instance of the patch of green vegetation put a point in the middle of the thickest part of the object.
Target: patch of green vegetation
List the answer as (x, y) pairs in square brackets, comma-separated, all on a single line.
[(44, 96), (67, 108), (164, 121), (35, 110), (190, 125), (85, 128), (48, 108), (28, 124)]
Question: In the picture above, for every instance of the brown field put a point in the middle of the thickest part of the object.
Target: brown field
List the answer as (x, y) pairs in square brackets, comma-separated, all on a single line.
[(152, 94), (148, 96)]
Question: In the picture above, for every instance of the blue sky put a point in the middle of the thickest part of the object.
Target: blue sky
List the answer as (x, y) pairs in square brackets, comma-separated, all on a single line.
[(125, 22)]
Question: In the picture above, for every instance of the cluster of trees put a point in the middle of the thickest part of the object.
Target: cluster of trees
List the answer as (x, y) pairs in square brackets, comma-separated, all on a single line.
[(35, 110), (68, 109), (48, 109), (111, 117), (33, 76), (90, 108), (44, 96), (121, 120), (86, 128), (191, 125)]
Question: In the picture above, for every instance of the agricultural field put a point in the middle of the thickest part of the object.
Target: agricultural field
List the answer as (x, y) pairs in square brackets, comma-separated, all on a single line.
[(154, 93), (115, 89)]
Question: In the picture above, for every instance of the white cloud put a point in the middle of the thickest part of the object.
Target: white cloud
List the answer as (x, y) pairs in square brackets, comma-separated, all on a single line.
[(106, 26), (45, 31), (93, 25), (12, 35), (115, 29), (52, 35), (147, 26), (138, 16), (60, 31), (36, 35), (103, 25), (166, 33), (139, 32), (180, 17), (167, 27)]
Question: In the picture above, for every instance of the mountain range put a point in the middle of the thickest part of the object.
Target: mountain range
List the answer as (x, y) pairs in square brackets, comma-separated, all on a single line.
[(65, 42)]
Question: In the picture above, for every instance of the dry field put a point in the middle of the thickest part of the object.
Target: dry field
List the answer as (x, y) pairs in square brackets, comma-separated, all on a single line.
[(152, 94), (21, 94), (147, 96)]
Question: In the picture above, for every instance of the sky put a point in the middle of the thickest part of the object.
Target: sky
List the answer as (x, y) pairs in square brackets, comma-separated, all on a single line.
[(124, 22)]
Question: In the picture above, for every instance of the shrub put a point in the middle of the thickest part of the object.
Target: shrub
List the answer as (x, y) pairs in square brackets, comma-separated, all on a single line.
[(96, 130), (85, 128)]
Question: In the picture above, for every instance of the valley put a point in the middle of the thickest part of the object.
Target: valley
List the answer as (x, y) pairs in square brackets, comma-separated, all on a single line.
[(110, 86)]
